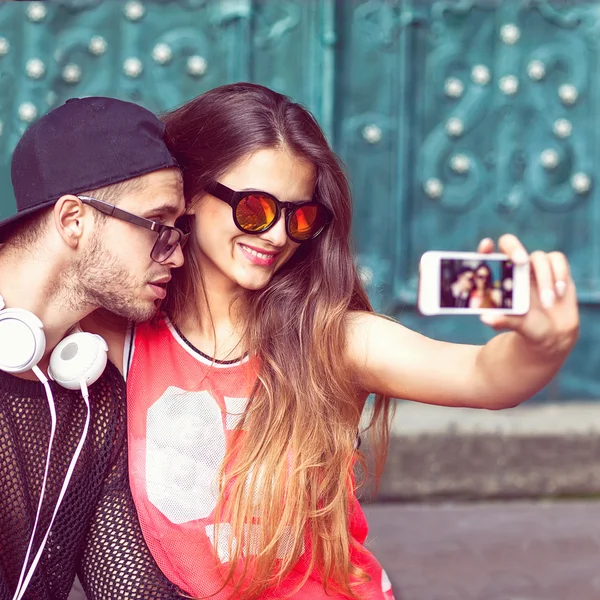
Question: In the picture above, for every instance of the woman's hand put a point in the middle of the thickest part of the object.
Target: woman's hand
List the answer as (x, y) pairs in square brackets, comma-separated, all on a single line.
[(551, 326), (390, 359)]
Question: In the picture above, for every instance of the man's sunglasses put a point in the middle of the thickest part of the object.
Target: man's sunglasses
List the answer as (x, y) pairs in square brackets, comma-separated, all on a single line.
[(255, 212), (168, 237)]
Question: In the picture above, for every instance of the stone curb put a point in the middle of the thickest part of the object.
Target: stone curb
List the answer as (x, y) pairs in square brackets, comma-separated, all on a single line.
[(532, 451)]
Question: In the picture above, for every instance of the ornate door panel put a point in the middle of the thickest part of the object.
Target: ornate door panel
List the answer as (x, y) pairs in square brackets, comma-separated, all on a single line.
[(468, 119), (293, 51), (373, 134), (158, 54)]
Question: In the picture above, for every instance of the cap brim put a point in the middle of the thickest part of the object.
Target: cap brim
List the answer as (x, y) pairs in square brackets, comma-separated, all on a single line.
[(6, 223)]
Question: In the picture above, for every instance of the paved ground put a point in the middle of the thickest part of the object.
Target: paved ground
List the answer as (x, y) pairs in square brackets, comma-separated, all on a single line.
[(516, 551), (494, 551)]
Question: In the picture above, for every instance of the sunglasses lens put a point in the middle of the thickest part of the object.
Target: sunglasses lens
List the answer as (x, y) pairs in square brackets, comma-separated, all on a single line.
[(255, 213), (307, 221), (165, 245)]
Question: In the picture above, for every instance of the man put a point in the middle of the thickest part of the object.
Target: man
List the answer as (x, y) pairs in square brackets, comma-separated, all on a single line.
[(457, 296), (66, 252)]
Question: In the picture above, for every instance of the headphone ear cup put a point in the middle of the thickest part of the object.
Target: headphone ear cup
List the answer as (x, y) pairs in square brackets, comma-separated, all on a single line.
[(79, 357), (22, 340)]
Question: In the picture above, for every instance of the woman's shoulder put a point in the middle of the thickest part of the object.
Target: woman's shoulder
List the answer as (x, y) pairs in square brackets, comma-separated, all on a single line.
[(357, 320), (364, 328)]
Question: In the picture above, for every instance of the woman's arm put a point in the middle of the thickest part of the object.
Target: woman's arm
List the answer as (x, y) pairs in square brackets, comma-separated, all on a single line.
[(509, 369)]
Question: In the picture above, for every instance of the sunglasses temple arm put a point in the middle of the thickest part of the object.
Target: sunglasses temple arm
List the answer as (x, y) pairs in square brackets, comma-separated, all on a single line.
[(103, 207), (223, 193)]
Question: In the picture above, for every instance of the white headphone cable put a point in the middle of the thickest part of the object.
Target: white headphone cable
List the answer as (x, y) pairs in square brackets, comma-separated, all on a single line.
[(52, 407), (84, 392)]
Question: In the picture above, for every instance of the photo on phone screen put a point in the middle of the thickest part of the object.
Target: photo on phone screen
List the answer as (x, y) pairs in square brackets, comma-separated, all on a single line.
[(476, 284)]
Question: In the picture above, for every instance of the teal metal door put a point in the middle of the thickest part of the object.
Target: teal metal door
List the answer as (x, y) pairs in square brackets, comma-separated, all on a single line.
[(456, 119)]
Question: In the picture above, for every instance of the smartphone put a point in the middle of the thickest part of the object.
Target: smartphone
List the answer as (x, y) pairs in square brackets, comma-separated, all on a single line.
[(469, 283)]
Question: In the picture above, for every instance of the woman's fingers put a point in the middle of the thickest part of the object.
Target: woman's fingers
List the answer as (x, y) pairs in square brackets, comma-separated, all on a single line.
[(544, 276), (486, 246), (552, 322), (560, 269), (500, 322), (510, 245)]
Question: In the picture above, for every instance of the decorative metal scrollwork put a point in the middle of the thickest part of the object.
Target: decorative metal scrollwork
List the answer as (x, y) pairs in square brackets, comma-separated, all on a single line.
[(4, 46), (28, 112), (568, 93), (509, 85), (35, 68), (455, 126), (162, 53), (454, 87), (196, 65), (36, 12), (72, 73), (549, 158), (562, 128), (134, 10), (434, 188), (97, 45), (480, 74), (372, 133), (77, 5), (510, 34), (272, 28), (556, 173), (384, 20), (536, 69)]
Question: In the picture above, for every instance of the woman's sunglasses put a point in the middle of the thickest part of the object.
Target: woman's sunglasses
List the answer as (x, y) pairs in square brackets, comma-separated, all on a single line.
[(168, 237), (255, 212)]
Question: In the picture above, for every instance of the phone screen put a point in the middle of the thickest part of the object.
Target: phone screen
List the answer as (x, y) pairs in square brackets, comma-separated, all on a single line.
[(479, 284)]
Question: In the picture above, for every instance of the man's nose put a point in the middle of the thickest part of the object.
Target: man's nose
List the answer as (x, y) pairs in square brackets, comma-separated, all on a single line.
[(176, 259)]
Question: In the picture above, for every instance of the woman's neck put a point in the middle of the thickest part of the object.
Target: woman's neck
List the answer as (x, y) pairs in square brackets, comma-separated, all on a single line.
[(215, 324)]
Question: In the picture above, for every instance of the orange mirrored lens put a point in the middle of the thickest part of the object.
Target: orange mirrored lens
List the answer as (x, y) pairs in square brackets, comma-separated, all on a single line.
[(307, 221), (255, 212)]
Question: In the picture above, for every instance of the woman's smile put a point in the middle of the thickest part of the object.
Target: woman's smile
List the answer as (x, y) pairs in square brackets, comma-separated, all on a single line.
[(257, 256)]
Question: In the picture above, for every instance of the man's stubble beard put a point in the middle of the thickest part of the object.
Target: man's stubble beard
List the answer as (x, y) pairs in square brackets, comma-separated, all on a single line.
[(100, 279)]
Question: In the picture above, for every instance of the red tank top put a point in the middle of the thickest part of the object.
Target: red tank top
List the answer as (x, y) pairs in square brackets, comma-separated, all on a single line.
[(182, 410)]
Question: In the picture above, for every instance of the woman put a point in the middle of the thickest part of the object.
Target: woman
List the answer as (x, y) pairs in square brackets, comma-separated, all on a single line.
[(245, 395), (483, 294)]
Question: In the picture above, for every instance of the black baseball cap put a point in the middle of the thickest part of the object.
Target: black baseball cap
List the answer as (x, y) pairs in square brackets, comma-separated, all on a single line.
[(85, 144)]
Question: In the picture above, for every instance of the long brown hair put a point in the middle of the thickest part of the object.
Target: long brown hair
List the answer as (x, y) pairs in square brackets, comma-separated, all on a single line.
[(301, 421)]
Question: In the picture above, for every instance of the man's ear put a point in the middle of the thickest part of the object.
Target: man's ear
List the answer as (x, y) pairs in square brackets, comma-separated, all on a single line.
[(69, 213)]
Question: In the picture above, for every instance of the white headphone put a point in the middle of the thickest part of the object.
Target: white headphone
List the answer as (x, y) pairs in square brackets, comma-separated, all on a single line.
[(80, 357), (76, 362)]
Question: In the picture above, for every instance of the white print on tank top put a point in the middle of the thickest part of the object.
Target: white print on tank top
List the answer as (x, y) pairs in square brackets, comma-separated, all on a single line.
[(386, 584), (251, 537), (185, 447)]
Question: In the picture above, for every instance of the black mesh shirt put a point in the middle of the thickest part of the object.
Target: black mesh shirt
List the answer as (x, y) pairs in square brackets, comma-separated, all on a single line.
[(96, 533)]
